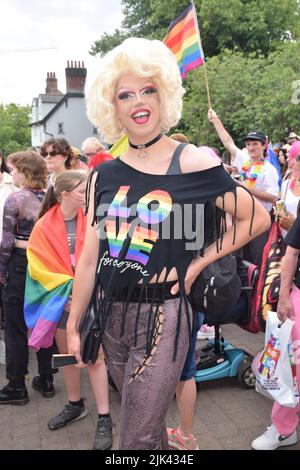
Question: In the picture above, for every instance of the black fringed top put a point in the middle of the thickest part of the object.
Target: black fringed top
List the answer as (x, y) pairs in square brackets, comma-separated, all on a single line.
[(150, 222)]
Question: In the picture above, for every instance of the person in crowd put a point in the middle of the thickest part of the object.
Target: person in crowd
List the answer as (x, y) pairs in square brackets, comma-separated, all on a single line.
[(90, 147), (20, 212), (282, 431), (290, 191), (98, 159), (182, 437), (56, 242), (282, 160), (256, 174), (58, 156), (144, 273), (78, 162), (6, 188), (276, 149), (292, 137), (179, 137), (95, 152)]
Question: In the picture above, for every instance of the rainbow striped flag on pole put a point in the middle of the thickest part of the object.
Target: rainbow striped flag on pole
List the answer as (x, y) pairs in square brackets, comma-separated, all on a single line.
[(183, 39)]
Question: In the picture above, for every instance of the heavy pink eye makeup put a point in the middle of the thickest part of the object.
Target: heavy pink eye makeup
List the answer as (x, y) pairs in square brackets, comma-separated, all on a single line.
[(125, 95), (149, 90)]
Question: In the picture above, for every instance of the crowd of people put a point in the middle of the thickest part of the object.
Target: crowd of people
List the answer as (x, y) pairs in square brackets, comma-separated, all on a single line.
[(81, 230)]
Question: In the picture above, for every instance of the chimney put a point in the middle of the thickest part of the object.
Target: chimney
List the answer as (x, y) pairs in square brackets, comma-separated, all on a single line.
[(51, 84), (75, 77)]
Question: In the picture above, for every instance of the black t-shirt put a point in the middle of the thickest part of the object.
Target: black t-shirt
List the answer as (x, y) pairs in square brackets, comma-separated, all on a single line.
[(147, 221), (292, 239), (149, 224)]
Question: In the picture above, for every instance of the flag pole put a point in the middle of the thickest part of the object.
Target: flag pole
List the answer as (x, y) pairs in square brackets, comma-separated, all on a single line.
[(204, 64)]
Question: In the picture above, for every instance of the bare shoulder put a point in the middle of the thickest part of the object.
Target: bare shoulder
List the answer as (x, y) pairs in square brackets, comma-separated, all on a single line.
[(196, 159)]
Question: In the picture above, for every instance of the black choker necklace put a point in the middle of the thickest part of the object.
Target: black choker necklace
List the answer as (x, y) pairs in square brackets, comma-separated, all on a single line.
[(141, 148)]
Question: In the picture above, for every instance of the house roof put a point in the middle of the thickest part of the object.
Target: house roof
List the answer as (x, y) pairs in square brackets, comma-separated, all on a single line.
[(47, 98), (58, 105)]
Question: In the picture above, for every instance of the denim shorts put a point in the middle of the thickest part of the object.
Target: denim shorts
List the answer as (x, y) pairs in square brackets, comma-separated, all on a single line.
[(189, 368)]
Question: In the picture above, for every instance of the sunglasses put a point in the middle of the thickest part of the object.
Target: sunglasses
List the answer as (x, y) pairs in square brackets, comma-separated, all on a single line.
[(51, 154)]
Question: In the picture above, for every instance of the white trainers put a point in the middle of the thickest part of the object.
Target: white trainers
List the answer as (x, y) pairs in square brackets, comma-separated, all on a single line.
[(271, 440)]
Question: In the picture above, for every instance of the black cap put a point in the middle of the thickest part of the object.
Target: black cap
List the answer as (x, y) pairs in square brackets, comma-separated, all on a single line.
[(256, 135)]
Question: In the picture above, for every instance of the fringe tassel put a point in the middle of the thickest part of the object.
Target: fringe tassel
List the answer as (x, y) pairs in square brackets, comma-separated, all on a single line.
[(88, 192), (155, 340), (96, 194), (149, 329), (178, 320), (138, 314)]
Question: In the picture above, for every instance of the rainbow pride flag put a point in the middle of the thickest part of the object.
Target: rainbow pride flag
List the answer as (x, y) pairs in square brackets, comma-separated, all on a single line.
[(49, 278), (184, 41)]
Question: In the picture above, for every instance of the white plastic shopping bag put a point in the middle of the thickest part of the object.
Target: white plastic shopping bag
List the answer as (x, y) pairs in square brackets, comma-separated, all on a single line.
[(276, 373)]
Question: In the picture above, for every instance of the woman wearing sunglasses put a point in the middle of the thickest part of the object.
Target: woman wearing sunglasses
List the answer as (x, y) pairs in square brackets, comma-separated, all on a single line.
[(58, 157)]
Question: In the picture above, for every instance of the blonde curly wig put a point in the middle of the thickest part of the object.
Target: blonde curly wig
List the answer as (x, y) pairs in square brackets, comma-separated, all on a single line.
[(144, 58)]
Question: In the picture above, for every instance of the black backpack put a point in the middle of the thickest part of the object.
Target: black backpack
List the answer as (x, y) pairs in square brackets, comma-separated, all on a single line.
[(217, 288)]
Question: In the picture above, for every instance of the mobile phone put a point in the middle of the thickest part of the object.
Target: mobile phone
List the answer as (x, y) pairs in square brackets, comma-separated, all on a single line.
[(61, 360)]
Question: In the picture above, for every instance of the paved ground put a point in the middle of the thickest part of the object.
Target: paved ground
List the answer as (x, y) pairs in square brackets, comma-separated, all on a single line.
[(227, 416)]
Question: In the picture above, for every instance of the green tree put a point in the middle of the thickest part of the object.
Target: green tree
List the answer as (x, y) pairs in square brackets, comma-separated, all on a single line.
[(247, 25), (240, 25), (14, 128), (252, 49), (248, 93), (135, 23)]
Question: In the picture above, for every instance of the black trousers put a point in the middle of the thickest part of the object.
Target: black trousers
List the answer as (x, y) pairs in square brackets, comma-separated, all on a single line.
[(15, 332)]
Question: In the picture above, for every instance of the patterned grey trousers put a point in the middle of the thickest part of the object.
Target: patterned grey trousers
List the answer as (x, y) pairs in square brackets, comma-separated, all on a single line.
[(147, 396)]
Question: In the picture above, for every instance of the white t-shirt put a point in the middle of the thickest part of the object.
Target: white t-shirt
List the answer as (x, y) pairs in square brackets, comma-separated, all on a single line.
[(267, 181), (291, 201), (241, 157)]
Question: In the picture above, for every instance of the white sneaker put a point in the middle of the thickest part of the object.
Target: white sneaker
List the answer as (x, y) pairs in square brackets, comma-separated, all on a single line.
[(271, 440)]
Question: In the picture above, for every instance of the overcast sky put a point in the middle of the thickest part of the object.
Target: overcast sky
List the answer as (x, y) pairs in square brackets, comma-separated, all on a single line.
[(68, 26)]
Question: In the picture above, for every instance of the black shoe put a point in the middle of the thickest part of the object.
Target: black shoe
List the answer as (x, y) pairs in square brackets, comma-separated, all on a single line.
[(13, 396), (69, 414), (104, 434), (44, 385)]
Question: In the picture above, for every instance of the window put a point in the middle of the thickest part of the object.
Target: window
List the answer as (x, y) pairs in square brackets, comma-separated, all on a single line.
[(60, 128)]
